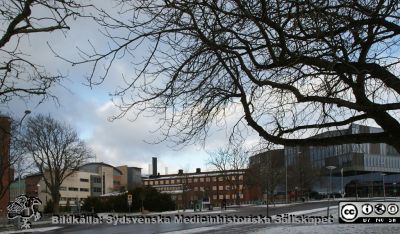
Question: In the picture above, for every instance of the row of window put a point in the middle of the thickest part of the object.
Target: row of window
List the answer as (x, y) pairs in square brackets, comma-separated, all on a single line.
[(214, 188), (96, 180), (190, 180), (227, 187), (227, 196), (71, 199), (382, 162), (321, 152), (169, 188), (214, 197), (62, 188)]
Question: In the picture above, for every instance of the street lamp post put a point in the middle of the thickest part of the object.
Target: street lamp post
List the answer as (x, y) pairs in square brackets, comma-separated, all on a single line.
[(343, 192), (286, 187), (330, 168), (27, 112), (383, 185)]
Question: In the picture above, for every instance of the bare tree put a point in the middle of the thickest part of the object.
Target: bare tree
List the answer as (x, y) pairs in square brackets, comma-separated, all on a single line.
[(231, 162), (294, 67), (302, 175), (266, 172), (56, 150), (20, 75)]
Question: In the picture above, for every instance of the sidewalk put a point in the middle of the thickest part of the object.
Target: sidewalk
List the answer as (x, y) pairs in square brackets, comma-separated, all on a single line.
[(332, 228)]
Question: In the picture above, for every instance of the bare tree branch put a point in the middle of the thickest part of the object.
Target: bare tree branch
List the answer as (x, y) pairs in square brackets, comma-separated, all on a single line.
[(20, 75), (294, 67)]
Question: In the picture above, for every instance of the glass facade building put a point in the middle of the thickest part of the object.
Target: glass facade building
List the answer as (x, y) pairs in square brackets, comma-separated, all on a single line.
[(352, 158), (360, 169)]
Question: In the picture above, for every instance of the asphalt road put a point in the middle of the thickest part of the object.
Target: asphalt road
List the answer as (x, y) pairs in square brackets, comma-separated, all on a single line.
[(176, 227)]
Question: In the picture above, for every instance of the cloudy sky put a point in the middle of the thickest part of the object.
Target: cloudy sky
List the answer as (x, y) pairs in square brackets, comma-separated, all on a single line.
[(121, 142)]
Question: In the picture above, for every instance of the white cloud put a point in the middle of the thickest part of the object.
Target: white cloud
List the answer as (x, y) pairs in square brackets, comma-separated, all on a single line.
[(120, 142)]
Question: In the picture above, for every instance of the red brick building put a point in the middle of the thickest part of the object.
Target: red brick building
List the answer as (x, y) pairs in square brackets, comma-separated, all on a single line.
[(5, 173), (31, 184), (214, 186)]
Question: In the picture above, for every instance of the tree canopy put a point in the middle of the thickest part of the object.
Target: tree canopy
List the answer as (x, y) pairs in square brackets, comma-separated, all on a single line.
[(56, 150), (294, 68)]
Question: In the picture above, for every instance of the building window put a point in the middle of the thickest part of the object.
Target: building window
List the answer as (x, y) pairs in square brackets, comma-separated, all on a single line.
[(195, 180), (214, 188), (97, 190), (201, 179), (221, 187), (189, 180), (215, 197), (196, 188), (214, 179), (97, 180), (241, 177), (220, 178), (151, 182), (72, 189), (62, 188), (208, 179), (84, 189), (221, 196), (161, 181), (84, 180), (146, 183), (167, 182), (156, 182), (227, 196)]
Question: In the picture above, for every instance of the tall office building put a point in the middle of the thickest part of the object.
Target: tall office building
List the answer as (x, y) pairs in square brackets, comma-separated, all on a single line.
[(361, 167)]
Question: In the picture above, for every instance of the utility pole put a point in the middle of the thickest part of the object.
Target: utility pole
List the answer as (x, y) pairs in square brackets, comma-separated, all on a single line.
[(330, 168)]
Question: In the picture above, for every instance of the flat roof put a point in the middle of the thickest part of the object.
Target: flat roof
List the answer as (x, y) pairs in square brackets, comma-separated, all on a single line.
[(201, 174)]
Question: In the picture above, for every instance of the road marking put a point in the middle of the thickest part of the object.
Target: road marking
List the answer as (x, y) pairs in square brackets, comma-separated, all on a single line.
[(44, 229)]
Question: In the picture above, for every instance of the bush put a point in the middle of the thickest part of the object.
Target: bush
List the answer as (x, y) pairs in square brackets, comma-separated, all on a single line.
[(48, 208), (94, 204), (152, 201), (67, 207)]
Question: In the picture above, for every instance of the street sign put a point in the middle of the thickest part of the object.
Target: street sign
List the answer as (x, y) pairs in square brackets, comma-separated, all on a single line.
[(129, 199)]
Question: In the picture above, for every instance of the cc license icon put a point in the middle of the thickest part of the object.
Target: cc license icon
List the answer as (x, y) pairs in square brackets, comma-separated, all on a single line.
[(349, 212)]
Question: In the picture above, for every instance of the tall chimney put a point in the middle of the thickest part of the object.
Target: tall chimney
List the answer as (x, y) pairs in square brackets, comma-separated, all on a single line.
[(198, 170), (154, 166), (166, 170)]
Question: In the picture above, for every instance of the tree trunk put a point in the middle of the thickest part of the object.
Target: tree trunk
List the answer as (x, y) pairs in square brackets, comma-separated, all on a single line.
[(56, 202)]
